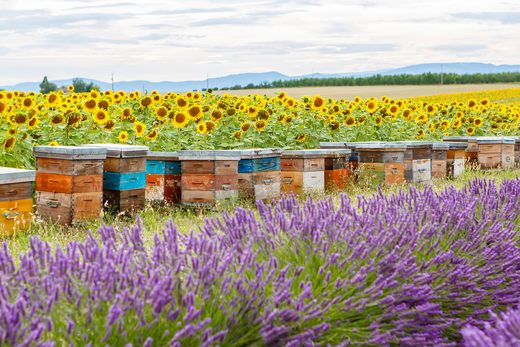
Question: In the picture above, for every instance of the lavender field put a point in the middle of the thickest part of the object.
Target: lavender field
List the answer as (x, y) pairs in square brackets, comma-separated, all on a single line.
[(416, 268)]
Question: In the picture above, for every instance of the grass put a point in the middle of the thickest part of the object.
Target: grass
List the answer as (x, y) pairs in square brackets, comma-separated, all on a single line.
[(395, 92), (155, 216)]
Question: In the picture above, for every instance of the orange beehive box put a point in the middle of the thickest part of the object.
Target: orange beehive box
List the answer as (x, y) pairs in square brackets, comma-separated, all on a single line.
[(15, 200), (69, 183)]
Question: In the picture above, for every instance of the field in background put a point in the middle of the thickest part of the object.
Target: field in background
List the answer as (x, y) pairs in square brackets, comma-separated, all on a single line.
[(395, 92)]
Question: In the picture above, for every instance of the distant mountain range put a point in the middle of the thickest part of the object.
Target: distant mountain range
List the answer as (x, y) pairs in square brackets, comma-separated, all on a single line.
[(268, 77)]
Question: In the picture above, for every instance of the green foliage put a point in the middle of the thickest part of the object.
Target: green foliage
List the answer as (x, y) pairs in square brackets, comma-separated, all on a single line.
[(46, 87), (80, 86)]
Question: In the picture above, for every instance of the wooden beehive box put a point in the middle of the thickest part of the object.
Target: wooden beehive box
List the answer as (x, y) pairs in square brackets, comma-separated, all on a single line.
[(208, 177), (496, 152), (353, 157), (124, 177), (418, 161), (259, 173), (15, 199), (381, 163), (517, 150), (456, 158), (303, 171), (471, 153), (337, 171), (440, 159), (69, 183), (163, 177)]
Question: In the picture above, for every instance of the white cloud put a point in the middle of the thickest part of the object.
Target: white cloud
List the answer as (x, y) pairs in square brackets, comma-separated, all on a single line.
[(178, 40)]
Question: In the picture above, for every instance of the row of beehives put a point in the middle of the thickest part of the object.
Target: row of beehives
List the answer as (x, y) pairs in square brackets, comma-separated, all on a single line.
[(76, 183)]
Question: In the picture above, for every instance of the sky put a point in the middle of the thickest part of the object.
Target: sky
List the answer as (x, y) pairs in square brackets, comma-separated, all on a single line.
[(161, 40)]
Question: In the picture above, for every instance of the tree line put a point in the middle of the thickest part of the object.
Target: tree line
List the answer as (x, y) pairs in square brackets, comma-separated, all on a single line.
[(404, 79), (79, 85)]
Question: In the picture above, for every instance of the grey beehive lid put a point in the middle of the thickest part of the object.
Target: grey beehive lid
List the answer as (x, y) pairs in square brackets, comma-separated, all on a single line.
[(122, 151), (172, 156), (496, 140), (208, 155), (259, 153), (11, 175), (382, 146), (69, 152), (441, 146), (305, 153), (457, 145)]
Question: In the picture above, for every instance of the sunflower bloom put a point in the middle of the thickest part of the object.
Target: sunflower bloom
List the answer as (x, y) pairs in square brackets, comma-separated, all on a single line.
[(201, 128), (100, 116), (139, 129), (123, 136), (180, 120)]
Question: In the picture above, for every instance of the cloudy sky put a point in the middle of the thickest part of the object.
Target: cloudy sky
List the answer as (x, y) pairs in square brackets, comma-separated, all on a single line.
[(179, 40)]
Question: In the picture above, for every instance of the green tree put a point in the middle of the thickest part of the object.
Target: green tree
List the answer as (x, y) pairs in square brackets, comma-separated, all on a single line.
[(46, 87), (81, 86)]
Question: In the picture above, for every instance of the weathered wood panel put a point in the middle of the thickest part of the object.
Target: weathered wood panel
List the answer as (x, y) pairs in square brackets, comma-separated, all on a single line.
[(16, 191), (155, 187), (124, 165), (125, 200), (66, 209), (69, 167), (394, 173), (439, 168), (198, 167)]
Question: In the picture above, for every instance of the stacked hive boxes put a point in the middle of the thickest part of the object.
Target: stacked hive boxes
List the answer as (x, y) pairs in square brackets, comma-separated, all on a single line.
[(353, 158), (496, 152), (124, 177), (69, 183), (381, 163), (456, 158), (418, 162), (471, 152), (259, 173), (440, 159), (163, 177), (15, 199), (303, 171), (208, 177), (337, 171), (517, 150)]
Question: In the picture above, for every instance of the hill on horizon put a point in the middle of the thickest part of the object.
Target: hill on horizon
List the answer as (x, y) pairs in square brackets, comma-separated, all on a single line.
[(244, 79)]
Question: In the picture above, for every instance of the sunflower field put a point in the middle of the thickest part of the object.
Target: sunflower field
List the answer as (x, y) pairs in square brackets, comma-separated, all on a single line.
[(201, 120)]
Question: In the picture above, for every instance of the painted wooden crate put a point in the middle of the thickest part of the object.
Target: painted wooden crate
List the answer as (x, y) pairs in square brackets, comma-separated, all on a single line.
[(418, 161), (496, 152), (440, 159), (69, 183), (517, 149), (303, 171), (381, 163), (259, 173), (337, 170), (471, 153), (163, 177), (208, 177), (124, 178), (15, 200), (456, 158), (353, 159)]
